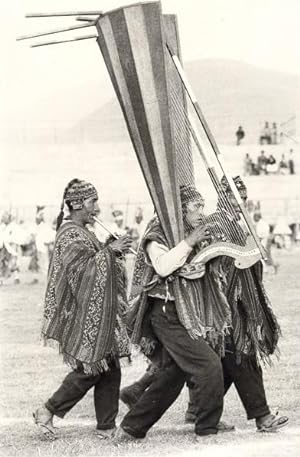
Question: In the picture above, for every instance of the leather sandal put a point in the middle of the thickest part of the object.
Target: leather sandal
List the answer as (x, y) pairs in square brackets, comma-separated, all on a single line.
[(44, 424), (272, 423)]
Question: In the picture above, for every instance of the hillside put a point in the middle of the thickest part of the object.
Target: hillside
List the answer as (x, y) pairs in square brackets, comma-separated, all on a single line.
[(230, 93)]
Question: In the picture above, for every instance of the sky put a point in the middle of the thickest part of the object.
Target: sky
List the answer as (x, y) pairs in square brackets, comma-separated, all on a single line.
[(259, 32)]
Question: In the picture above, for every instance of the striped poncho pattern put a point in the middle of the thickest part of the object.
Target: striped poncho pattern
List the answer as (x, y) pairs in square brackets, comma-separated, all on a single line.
[(200, 303), (82, 310)]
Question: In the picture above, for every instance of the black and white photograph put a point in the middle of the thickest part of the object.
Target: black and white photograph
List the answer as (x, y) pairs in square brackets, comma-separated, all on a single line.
[(149, 228)]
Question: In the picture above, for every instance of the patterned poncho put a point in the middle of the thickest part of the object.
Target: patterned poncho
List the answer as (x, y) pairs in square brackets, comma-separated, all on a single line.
[(85, 301), (255, 329), (200, 303)]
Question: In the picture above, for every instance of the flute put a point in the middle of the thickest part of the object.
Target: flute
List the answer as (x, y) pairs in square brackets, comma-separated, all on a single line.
[(111, 233)]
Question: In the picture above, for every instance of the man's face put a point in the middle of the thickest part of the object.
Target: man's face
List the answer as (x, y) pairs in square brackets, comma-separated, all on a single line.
[(234, 202), (90, 209), (194, 213)]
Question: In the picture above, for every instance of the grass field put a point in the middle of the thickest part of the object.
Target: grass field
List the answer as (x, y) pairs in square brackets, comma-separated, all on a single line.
[(31, 372)]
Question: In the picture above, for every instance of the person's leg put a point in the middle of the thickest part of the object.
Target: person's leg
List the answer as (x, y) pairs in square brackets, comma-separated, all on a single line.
[(248, 380), (71, 391), (190, 414), (197, 360), (106, 397), (73, 388), (131, 394), (166, 386)]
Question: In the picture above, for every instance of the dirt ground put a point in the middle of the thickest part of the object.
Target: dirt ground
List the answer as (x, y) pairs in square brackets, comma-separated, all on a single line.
[(31, 372)]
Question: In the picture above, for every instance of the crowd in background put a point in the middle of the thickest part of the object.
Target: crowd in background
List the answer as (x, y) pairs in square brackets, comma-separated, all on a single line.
[(269, 134), (268, 165), (28, 247)]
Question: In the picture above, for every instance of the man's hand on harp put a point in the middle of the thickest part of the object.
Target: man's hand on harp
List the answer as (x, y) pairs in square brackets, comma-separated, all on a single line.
[(199, 234)]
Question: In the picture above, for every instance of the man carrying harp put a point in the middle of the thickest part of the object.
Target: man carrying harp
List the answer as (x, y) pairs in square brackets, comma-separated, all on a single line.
[(180, 311)]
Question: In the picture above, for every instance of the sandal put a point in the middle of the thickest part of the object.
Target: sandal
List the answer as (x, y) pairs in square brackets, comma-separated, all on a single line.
[(272, 423), (44, 424)]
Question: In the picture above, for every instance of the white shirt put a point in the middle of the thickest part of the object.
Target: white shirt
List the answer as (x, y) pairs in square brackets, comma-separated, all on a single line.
[(164, 260), (262, 229)]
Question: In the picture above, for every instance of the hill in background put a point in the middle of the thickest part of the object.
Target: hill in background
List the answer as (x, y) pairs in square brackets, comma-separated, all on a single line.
[(230, 94)]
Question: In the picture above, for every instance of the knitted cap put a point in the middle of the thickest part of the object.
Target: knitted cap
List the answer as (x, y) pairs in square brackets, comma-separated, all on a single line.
[(78, 192), (190, 193), (239, 184)]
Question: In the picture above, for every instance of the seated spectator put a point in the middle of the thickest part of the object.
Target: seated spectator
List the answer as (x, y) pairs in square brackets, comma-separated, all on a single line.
[(271, 165), (240, 134), (283, 168), (274, 133), (262, 163), (265, 137), (291, 162), (247, 165)]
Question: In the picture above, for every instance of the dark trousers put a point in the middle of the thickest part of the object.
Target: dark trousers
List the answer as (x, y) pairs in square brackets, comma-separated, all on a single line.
[(189, 360), (106, 395), (248, 380)]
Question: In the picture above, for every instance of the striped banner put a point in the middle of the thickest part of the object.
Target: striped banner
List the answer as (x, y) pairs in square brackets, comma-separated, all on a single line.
[(132, 41)]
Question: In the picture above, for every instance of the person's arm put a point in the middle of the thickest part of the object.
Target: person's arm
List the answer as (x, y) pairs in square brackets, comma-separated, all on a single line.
[(165, 261)]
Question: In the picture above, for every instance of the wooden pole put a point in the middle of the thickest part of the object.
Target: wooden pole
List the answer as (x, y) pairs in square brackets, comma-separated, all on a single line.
[(88, 37), (68, 13), (50, 32), (86, 19)]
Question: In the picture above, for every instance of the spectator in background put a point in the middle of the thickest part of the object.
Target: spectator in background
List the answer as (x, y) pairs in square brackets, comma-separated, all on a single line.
[(10, 248), (274, 133), (271, 165), (291, 162), (283, 166), (118, 224), (262, 163), (139, 223), (43, 235), (265, 137), (247, 165), (282, 233), (266, 239), (240, 134)]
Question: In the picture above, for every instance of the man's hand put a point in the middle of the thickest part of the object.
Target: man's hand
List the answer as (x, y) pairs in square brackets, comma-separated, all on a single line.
[(198, 235), (122, 244)]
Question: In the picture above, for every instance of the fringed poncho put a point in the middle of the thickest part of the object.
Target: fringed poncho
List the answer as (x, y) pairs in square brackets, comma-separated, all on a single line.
[(200, 303), (84, 302)]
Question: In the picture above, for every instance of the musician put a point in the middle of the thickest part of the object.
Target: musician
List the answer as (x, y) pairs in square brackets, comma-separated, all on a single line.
[(84, 307), (172, 317), (255, 330)]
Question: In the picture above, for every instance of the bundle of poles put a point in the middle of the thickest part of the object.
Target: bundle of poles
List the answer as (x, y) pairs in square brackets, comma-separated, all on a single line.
[(89, 17)]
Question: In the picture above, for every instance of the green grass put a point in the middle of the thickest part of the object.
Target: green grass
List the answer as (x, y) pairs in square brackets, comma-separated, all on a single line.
[(30, 373)]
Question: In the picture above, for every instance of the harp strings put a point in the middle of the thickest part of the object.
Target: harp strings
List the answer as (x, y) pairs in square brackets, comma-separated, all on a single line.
[(185, 168)]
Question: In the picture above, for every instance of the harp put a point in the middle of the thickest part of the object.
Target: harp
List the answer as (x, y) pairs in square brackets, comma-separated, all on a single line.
[(171, 138)]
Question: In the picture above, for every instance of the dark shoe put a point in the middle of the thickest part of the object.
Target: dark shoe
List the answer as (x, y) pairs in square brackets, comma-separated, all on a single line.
[(43, 418), (130, 395), (224, 427), (271, 423), (122, 437)]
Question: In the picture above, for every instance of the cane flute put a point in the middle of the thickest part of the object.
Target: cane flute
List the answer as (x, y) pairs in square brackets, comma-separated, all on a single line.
[(111, 233)]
